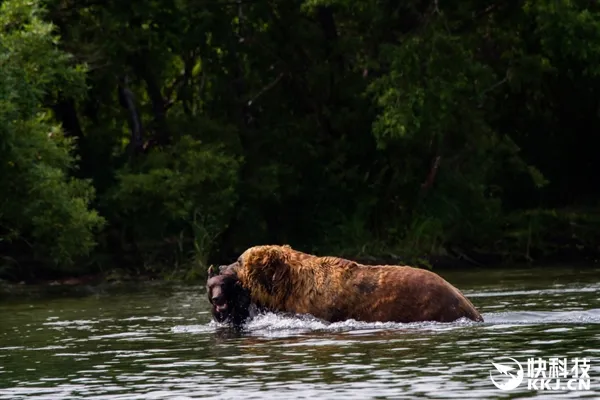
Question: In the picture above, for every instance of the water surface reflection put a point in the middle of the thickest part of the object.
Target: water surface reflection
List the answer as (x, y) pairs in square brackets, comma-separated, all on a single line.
[(158, 342)]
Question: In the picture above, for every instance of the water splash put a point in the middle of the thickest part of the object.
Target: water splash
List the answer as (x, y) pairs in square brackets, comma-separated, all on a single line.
[(152, 345), (275, 325)]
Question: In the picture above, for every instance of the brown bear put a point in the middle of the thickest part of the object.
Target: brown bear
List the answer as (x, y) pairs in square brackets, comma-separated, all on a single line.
[(282, 279), (230, 302)]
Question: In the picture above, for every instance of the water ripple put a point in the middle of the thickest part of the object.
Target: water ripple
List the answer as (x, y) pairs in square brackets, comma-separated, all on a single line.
[(163, 345)]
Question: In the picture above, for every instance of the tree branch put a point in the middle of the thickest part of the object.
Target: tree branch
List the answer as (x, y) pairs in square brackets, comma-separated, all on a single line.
[(494, 86), (432, 174), (127, 101), (174, 88), (143, 69), (265, 89)]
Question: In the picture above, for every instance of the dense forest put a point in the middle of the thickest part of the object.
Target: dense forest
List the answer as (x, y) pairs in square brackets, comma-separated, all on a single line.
[(161, 136)]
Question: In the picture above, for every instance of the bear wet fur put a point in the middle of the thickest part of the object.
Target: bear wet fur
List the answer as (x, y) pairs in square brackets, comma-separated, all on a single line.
[(334, 289)]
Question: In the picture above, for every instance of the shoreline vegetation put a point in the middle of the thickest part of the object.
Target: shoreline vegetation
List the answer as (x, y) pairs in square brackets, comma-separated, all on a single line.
[(152, 140), (456, 261)]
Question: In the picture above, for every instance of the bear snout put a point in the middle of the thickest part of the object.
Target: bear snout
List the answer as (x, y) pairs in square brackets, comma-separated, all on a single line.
[(218, 300)]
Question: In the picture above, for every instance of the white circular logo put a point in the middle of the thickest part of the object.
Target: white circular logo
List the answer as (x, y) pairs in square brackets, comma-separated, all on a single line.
[(511, 381)]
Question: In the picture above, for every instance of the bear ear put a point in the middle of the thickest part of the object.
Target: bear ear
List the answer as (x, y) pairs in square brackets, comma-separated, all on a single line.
[(230, 269), (211, 271)]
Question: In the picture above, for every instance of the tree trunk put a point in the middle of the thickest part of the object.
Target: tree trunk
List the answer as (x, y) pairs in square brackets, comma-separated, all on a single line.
[(66, 113)]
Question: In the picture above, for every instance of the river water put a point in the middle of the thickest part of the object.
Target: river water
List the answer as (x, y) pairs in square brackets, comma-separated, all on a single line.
[(156, 341)]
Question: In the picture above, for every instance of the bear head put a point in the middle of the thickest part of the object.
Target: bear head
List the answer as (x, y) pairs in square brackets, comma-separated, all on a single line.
[(230, 302)]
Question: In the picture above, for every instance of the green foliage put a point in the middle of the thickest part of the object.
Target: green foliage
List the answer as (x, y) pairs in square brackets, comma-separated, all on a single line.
[(183, 195), (432, 108), (40, 205), (356, 128)]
